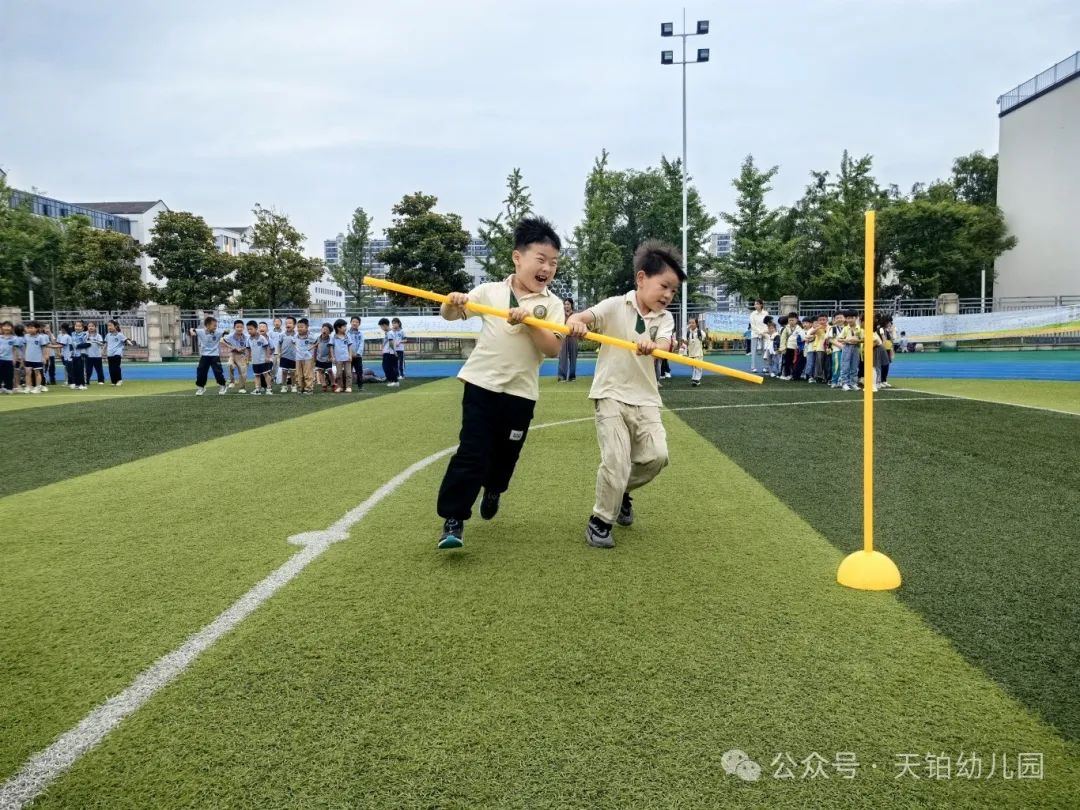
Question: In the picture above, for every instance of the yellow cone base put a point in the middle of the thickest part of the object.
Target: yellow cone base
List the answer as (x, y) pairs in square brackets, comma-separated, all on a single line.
[(868, 571)]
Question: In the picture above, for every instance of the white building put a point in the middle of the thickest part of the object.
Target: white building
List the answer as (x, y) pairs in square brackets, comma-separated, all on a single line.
[(142, 216), (1039, 183), (234, 241), (326, 293)]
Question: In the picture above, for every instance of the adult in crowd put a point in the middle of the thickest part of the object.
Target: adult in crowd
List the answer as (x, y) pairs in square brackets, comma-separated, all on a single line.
[(568, 352), (759, 333)]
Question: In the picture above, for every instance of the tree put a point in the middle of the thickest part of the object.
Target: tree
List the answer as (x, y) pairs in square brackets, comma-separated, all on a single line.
[(30, 247), (974, 177), (275, 273), (498, 233), (938, 246), (847, 199), (427, 249), (196, 272), (99, 270), (353, 265), (598, 255), (753, 268)]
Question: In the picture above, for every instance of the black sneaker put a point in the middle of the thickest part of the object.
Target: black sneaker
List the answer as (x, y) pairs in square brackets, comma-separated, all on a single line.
[(626, 511), (453, 534), (489, 505), (598, 534)]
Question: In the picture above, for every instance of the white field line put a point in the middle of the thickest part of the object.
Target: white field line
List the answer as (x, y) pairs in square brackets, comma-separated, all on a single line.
[(994, 401), (41, 769)]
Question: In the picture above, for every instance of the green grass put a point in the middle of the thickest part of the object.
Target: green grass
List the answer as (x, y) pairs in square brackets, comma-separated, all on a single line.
[(79, 435), (1061, 396), (526, 670)]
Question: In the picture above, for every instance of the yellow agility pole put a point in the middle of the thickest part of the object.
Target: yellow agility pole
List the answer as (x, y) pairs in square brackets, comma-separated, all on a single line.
[(558, 327), (868, 570)]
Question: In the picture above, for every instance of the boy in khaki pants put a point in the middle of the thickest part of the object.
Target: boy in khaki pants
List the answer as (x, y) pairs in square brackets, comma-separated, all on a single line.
[(305, 357), (633, 443)]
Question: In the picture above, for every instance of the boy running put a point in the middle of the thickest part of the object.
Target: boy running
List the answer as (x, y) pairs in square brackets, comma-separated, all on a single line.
[(633, 443), (501, 377)]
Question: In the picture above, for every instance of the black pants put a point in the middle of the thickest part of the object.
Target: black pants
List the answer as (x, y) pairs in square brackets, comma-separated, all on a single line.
[(48, 371), (205, 364), (77, 367), (800, 365), (7, 374), (114, 368), (493, 431), (67, 372), (358, 370), (401, 364), (787, 363), (389, 367), (94, 364), (885, 372)]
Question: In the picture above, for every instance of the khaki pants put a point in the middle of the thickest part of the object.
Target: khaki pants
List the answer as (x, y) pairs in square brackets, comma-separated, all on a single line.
[(239, 361), (633, 450), (304, 377)]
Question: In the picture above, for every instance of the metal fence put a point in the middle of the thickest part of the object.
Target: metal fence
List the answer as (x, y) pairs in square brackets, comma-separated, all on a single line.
[(132, 323)]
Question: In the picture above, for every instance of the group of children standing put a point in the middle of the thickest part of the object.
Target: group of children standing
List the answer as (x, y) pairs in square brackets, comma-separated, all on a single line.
[(28, 355), (294, 357), (501, 382), (831, 352)]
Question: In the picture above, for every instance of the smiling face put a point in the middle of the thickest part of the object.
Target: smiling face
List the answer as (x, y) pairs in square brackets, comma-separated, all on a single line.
[(535, 265), (656, 292), (92, 329)]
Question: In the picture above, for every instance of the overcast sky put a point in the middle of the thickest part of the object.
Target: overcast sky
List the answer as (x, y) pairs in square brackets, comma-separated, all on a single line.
[(318, 107)]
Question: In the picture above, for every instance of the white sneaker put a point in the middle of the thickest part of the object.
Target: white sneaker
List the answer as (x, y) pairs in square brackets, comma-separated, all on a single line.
[(121, 382), (72, 386), (82, 387), (348, 390), (284, 389), (877, 388), (44, 388), (255, 393), (753, 371), (100, 382), (36, 389), (223, 389), (269, 393), (232, 385), (847, 387), (886, 385), (23, 390), (242, 391), (200, 391)]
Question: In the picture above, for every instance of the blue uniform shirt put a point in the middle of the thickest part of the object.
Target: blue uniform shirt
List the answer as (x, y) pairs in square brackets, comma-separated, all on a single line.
[(322, 351), (8, 344), (304, 346), (237, 342), (287, 346), (34, 345), (388, 342), (114, 342), (77, 339), (259, 346), (341, 348), (208, 342), (356, 338)]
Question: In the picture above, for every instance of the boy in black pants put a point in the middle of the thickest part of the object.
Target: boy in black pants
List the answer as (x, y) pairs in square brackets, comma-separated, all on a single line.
[(501, 377), (209, 355)]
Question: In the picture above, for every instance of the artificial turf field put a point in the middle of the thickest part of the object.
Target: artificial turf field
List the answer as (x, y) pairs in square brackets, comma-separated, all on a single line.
[(528, 670)]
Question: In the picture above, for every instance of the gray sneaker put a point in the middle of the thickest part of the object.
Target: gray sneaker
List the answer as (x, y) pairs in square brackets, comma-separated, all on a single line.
[(626, 511), (598, 534)]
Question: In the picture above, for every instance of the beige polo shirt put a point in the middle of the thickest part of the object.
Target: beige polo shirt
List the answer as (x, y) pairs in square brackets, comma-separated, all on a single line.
[(505, 359), (620, 374)]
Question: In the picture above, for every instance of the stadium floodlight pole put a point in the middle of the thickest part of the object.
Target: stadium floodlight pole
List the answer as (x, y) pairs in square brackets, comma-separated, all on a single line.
[(668, 58)]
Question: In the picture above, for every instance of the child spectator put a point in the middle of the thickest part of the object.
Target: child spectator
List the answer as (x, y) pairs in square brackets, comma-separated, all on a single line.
[(836, 349), (356, 340), (93, 353), (389, 355), (35, 349), (341, 355), (816, 339), (887, 350), (569, 350), (115, 341), (9, 348), (62, 343), (78, 355), (771, 347), (399, 345), (274, 336), (210, 339), (262, 358), (305, 357), (695, 348), (850, 338), (238, 345), (287, 356), (324, 366)]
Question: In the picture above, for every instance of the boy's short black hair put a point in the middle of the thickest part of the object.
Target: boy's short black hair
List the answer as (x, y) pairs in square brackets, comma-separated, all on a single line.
[(354, 318), (340, 322), (902, 332), (5, 323), (535, 231), (209, 319), (290, 318), (304, 321), (396, 320), (237, 321), (34, 324), (768, 320), (791, 315), (250, 323), (384, 321), (653, 256)]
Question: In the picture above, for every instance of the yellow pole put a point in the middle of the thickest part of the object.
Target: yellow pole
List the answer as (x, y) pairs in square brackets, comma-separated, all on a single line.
[(558, 327), (868, 570), (868, 385)]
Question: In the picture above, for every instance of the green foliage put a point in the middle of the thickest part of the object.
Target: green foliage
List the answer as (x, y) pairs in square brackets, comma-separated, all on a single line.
[(974, 177), (99, 269), (353, 265), (753, 268), (196, 272), (622, 210), (937, 246), (30, 246), (426, 248), (498, 233), (275, 273)]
